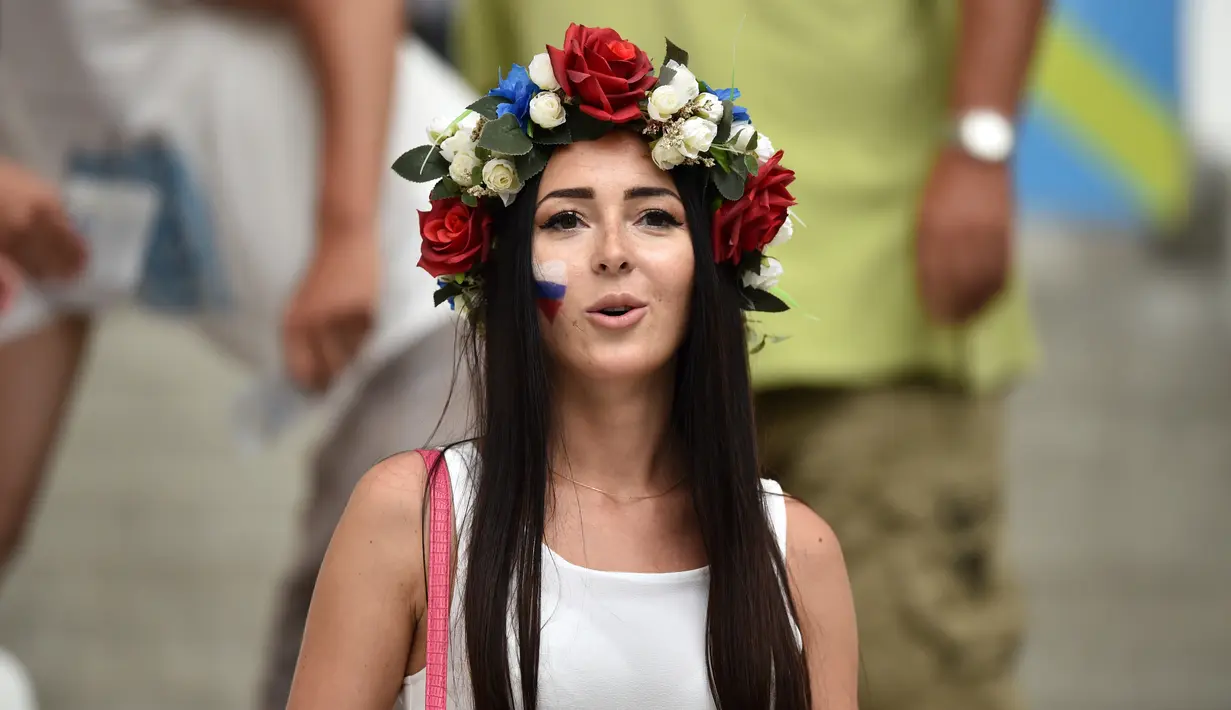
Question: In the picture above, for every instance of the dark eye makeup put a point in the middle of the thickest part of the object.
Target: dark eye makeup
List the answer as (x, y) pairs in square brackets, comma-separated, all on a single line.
[(569, 220)]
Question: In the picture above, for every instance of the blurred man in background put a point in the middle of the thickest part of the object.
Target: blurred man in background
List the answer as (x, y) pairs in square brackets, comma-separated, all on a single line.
[(883, 407), (267, 128)]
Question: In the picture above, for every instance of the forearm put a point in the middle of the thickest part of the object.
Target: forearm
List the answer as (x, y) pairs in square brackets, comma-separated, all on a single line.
[(996, 45), (353, 49)]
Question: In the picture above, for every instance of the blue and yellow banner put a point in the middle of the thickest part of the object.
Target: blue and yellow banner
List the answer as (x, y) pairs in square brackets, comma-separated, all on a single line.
[(1101, 135)]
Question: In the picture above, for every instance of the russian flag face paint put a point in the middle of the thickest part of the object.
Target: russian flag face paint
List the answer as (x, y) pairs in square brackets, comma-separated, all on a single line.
[(550, 280)]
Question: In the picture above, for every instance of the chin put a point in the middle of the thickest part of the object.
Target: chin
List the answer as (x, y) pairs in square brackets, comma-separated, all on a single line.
[(625, 361)]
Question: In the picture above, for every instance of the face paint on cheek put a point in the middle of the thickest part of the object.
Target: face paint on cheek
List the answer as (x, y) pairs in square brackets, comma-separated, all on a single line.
[(550, 280)]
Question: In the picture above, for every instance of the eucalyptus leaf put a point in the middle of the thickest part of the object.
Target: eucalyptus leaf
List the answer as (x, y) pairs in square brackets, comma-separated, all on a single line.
[(583, 126), (469, 200), (505, 135), (724, 125), (422, 164), (752, 142), (763, 301), (445, 189), (751, 162), (729, 184), (531, 163), (486, 106)]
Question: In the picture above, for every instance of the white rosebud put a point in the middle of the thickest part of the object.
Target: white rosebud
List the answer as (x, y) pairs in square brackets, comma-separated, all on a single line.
[(664, 102), (439, 129), (784, 234), (542, 73), (684, 82), (709, 107), (665, 154), (741, 136), (697, 135), (765, 149), (771, 271), (461, 169), (500, 175), (459, 143), (546, 110)]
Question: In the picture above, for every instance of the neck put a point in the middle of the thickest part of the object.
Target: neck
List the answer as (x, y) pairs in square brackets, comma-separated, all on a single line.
[(615, 434)]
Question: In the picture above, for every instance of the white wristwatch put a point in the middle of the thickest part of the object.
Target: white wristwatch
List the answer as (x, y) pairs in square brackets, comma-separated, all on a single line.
[(985, 134)]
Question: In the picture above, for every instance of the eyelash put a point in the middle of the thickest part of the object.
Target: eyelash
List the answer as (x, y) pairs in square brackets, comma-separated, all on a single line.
[(668, 220)]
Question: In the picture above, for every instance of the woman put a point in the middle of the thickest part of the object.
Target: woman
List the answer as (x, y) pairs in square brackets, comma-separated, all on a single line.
[(614, 547)]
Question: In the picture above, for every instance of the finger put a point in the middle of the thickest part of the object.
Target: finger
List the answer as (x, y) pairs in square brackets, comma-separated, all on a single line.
[(300, 360), (70, 247), (10, 283)]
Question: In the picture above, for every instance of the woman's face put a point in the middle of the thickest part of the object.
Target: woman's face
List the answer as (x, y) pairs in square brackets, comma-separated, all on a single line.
[(613, 259)]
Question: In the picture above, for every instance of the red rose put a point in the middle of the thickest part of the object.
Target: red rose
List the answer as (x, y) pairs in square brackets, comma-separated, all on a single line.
[(752, 222), (455, 237), (607, 73)]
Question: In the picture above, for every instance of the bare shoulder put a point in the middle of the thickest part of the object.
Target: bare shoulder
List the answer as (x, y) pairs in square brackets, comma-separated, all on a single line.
[(392, 490), (812, 546), (821, 590)]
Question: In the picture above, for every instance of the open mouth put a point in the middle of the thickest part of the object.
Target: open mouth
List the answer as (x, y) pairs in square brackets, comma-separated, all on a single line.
[(615, 310)]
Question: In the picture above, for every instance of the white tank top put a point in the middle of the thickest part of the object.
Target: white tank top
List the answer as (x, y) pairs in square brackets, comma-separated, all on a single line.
[(609, 639)]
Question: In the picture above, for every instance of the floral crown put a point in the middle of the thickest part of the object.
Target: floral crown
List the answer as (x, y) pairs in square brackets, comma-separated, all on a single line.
[(596, 82)]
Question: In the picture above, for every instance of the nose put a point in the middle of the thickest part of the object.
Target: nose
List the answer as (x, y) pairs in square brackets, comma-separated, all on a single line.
[(611, 252)]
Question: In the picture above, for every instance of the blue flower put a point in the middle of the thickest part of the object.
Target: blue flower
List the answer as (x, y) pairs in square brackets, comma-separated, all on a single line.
[(441, 283), (518, 90), (740, 114)]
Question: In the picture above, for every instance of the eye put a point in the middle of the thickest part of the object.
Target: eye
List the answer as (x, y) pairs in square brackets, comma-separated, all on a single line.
[(563, 221), (660, 219)]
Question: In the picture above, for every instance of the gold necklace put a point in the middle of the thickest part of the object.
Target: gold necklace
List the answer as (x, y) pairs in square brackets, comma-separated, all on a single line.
[(617, 496)]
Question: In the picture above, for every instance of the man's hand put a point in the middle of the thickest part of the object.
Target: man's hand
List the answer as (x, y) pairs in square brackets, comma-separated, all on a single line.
[(333, 309), (964, 236), (35, 231), (10, 283)]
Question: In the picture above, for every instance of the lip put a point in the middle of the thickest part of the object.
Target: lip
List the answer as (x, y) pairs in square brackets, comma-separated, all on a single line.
[(637, 309)]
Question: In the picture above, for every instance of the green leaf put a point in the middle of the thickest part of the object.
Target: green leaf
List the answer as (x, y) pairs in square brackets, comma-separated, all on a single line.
[(486, 106), (445, 189), (531, 163), (675, 53), (763, 301), (560, 135), (739, 166), (666, 75), (751, 162), (724, 125), (730, 184), (423, 164), (752, 143), (451, 289), (469, 200), (476, 175), (722, 158), (583, 126), (505, 135)]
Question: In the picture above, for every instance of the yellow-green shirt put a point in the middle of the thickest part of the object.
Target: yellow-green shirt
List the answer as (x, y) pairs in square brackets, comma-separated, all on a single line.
[(855, 92)]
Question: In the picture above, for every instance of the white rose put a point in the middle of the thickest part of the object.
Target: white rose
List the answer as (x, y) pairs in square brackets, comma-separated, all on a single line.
[(697, 135), (771, 271), (546, 110), (461, 169), (709, 107), (741, 136), (666, 155), (784, 234), (664, 102), (684, 82), (439, 129), (500, 175), (542, 73)]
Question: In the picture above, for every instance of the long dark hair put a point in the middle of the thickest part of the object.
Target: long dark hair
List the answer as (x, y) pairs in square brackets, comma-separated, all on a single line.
[(755, 660)]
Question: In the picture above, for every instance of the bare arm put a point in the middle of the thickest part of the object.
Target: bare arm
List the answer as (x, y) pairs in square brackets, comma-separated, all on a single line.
[(369, 596), (994, 52), (822, 595)]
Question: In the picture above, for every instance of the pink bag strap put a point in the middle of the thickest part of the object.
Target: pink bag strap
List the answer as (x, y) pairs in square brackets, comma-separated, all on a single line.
[(439, 572)]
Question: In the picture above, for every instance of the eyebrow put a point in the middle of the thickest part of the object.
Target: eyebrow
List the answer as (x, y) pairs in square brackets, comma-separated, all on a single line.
[(586, 193)]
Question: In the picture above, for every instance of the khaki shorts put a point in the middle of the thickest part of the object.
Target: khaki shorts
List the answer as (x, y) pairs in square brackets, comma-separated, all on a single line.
[(911, 479)]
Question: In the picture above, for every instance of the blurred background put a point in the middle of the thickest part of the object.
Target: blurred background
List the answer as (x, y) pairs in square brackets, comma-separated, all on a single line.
[(152, 571)]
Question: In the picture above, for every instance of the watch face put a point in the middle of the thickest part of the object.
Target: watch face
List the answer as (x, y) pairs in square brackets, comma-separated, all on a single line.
[(986, 135)]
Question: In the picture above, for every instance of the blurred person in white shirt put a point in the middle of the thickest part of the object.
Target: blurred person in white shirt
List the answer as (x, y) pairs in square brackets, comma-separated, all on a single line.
[(268, 128)]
